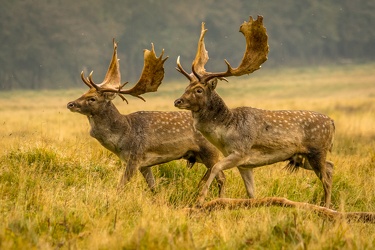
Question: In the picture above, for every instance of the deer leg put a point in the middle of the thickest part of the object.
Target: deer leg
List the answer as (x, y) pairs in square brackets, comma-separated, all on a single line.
[(208, 158), (248, 179), (228, 162), (128, 174), (329, 167), (205, 177), (220, 179), (209, 161), (329, 175), (323, 169), (149, 177)]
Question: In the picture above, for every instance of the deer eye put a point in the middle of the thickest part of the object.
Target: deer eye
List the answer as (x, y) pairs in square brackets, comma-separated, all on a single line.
[(199, 91), (92, 99)]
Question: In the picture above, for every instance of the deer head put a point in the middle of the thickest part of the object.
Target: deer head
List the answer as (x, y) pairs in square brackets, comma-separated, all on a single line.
[(201, 81), (151, 77)]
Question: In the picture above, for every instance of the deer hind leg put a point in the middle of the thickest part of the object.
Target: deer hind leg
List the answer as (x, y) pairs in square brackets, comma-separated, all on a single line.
[(248, 179), (329, 167), (324, 170)]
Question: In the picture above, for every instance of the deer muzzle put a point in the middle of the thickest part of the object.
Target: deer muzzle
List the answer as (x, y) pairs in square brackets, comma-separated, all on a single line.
[(72, 106), (179, 103)]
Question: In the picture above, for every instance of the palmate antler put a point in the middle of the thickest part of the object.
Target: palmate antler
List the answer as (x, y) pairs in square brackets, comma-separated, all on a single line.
[(200, 60), (112, 78), (151, 76), (256, 53)]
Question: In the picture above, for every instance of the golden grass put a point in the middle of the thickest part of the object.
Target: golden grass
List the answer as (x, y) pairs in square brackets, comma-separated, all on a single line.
[(58, 185)]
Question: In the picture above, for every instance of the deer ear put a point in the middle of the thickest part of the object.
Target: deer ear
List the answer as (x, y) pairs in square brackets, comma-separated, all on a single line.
[(109, 96), (212, 83)]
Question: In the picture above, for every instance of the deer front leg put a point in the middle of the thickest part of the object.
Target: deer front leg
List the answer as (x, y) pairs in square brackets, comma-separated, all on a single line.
[(220, 179), (228, 162), (149, 177), (130, 170)]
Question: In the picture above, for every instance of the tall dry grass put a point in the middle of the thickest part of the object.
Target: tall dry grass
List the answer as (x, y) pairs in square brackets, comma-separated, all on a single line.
[(58, 185)]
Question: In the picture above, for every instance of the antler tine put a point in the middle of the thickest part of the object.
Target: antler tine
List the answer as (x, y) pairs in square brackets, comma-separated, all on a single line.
[(256, 50), (123, 98), (85, 80), (181, 70), (117, 91), (151, 76), (92, 82)]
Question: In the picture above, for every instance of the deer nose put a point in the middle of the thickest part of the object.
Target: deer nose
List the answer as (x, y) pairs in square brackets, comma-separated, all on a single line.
[(178, 102), (70, 105)]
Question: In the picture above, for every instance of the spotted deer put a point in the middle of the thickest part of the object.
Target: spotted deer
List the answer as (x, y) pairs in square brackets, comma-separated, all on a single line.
[(250, 137), (142, 139)]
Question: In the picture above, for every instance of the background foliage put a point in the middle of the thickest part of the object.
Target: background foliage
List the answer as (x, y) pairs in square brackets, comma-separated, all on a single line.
[(46, 44)]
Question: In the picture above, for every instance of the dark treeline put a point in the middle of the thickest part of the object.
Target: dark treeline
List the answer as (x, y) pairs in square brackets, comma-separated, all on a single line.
[(46, 44)]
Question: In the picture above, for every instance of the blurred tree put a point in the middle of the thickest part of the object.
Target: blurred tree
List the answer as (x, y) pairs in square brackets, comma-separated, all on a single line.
[(46, 44)]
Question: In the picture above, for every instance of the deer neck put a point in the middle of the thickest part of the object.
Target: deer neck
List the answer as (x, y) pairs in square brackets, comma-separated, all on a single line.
[(108, 126), (215, 114)]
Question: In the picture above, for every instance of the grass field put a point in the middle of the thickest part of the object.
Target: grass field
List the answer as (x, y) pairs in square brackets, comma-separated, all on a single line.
[(58, 185)]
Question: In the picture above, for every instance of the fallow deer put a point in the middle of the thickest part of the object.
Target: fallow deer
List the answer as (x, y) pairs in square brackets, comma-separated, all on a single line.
[(146, 138), (250, 137)]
